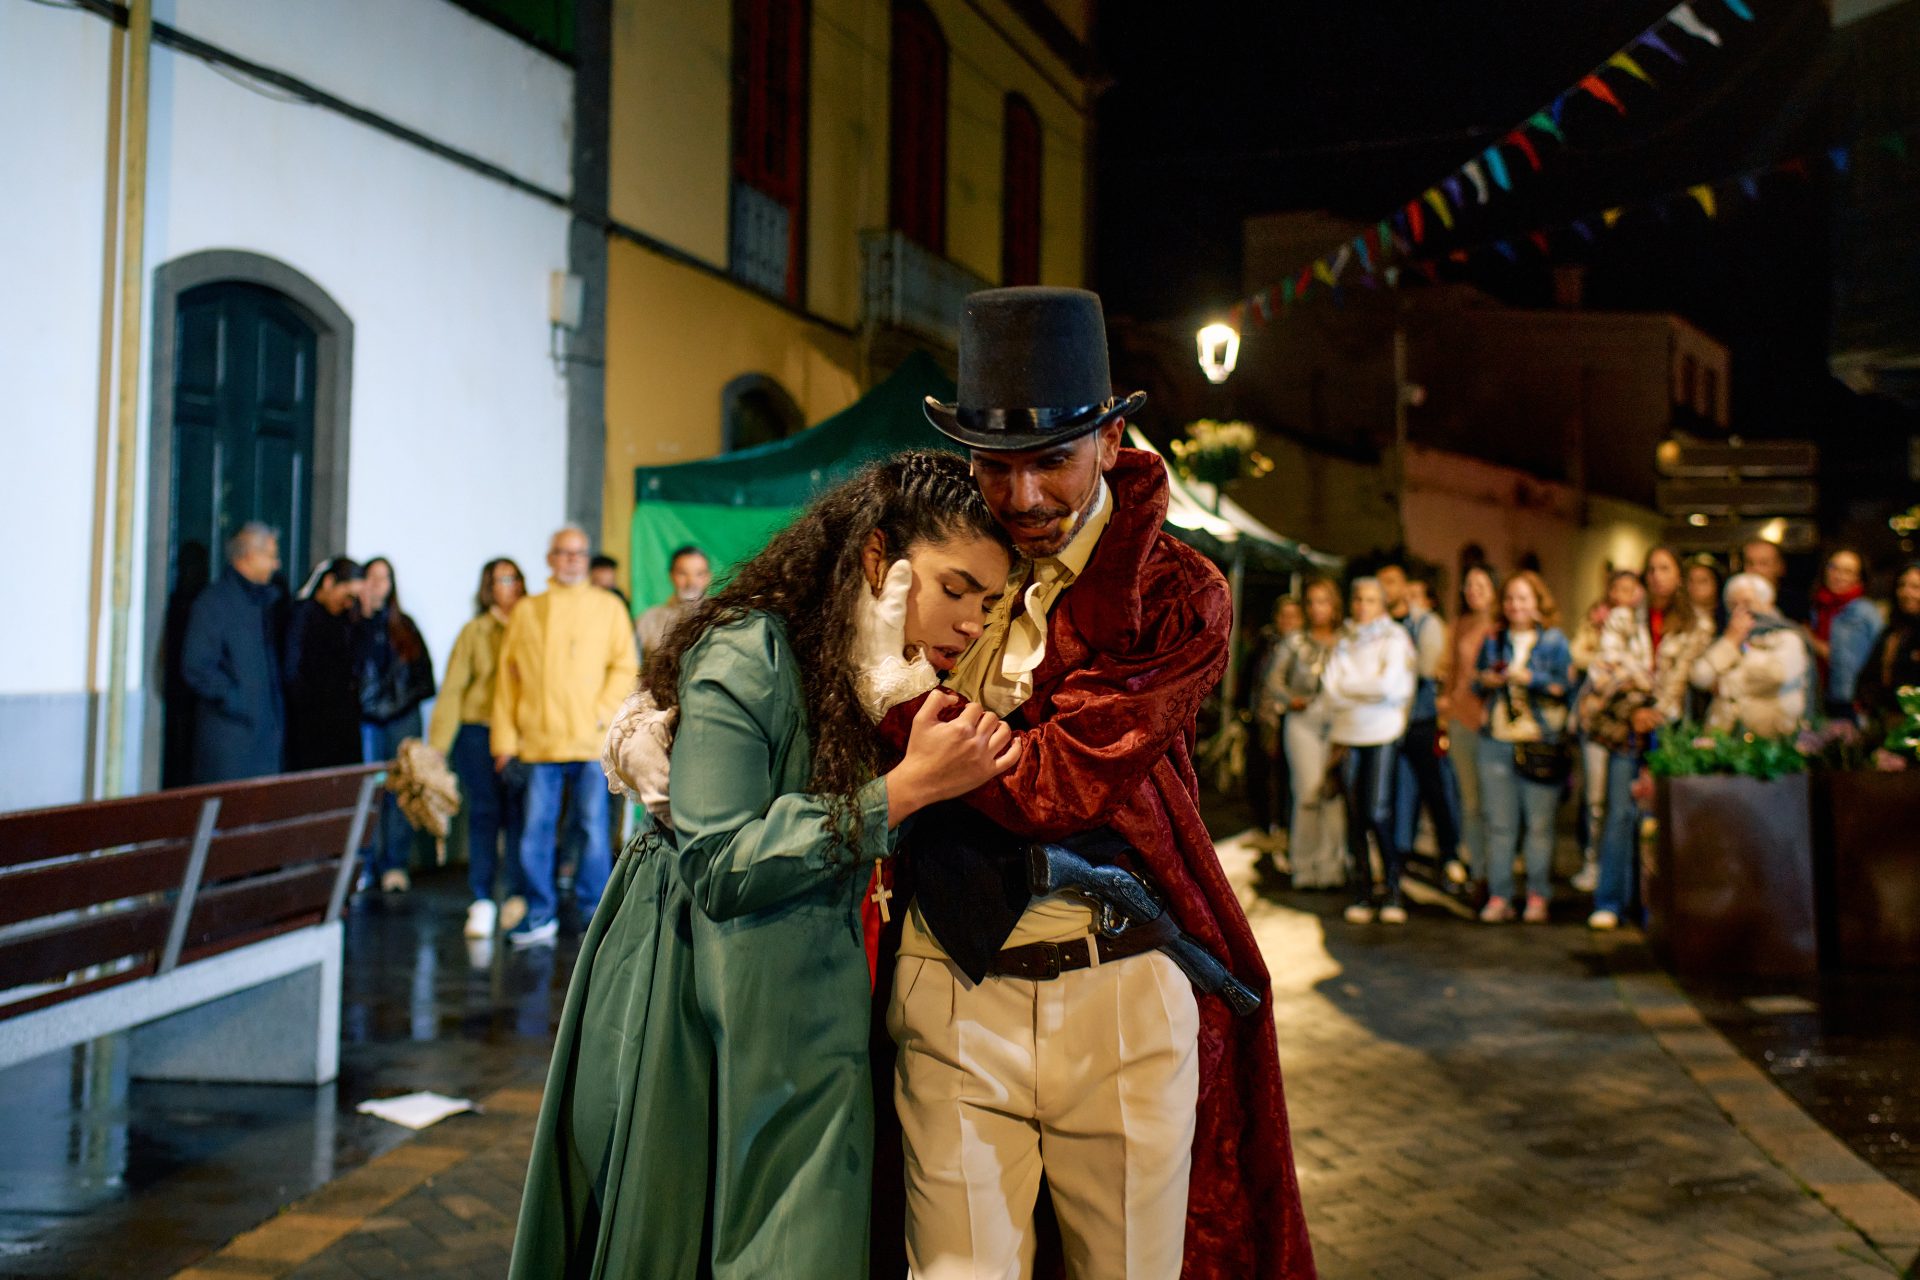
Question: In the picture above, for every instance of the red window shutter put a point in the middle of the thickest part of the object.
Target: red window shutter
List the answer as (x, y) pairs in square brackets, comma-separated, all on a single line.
[(1020, 195), (770, 112), (918, 148)]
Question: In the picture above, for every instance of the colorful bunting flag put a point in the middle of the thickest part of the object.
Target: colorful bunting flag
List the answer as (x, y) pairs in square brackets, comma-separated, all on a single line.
[(1286, 292), (1610, 217), (1683, 17), (1626, 63), (1584, 231), (1260, 313), (1322, 272), (1479, 180), (1547, 125), (1895, 144), (1598, 88), (1840, 159), (1439, 204), (1415, 222), (1540, 242), (1652, 40), (1739, 10), (1360, 247), (1750, 187), (1497, 166), (1519, 140), (1703, 196), (1506, 251)]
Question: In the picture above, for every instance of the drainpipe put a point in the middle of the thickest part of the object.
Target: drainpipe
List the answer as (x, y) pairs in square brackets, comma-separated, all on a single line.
[(103, 411), (133, 229)]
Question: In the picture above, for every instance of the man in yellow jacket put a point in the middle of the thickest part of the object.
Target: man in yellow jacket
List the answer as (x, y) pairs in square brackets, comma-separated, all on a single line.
[(566, 665)]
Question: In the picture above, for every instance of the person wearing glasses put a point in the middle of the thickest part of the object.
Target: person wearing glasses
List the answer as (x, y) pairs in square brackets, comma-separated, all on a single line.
[(566, 664), (461, 731)]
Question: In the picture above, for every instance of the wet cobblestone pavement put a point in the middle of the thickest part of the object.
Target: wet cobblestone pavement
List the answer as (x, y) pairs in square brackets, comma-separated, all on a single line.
[(1467, 1101)]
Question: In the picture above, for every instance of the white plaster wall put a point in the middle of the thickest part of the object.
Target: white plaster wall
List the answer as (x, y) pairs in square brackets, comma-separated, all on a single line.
[(458, 418), (53, 111)]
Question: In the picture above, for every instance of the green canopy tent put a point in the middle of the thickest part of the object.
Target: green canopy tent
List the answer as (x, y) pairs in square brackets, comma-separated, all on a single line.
[(729, 505)]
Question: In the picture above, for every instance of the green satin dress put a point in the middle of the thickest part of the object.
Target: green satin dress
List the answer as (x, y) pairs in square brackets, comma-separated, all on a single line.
[(709, 1107)]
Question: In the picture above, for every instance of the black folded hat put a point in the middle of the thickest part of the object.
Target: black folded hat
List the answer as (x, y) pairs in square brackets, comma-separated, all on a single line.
[(1033, 371)]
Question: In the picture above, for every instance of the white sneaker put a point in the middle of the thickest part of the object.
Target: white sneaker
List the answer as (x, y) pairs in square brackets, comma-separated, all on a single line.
[(535, 935), (1359, 913), (394, 881), (512, 912), (1603, 920), (481, 917), (1393, 914), (1587, 878)]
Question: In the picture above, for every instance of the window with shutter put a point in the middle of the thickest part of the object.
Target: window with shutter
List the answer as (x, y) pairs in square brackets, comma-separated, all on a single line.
[(769, 145), (1020, 195), (919, 126)]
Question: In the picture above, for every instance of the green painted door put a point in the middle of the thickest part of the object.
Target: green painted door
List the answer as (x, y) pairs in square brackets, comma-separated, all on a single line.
[(242, 449)]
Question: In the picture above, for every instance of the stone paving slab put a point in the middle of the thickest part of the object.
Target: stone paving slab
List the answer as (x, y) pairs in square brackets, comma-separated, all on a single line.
[(1514, 1103)]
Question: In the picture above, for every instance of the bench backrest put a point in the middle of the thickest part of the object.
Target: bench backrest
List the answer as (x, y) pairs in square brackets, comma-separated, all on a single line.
[(92, 895)]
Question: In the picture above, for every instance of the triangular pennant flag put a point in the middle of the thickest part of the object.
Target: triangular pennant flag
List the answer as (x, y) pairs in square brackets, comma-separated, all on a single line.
[(1383, 237), (1472, 169), (1519, 140), (1558, 108), (1322, 272), (1895, 144), (1750, 187), (1393, 277), (1626, 63), (1703, 196), (1369, 280), (1439, 204), (1598, 88), (1683, 17), (1739, 10), (1260, 312), (1540, 242), (1304, 283), (1610, 217), (1547, 125), (1286, 293), (1430, 270), (1584, 231), (1653, 40), (1341, 258), (1497, 166), (1455, 189), (1416, 223), (1507, 251), (1237, 316), (1796, 166), (1360, 247), (1840, 158), (1458, 255)]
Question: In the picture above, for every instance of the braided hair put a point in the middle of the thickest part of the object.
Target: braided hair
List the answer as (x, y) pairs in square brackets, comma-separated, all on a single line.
[(810, 576)]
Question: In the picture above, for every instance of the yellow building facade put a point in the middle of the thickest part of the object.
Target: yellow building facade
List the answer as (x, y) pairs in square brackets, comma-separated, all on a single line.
[(899, 141)]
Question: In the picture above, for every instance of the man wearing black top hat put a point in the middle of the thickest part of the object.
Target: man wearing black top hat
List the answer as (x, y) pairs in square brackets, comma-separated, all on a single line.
[(1030, 1041)]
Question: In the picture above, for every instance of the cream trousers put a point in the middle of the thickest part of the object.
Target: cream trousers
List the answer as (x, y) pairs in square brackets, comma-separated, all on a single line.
[(1090, 1077)]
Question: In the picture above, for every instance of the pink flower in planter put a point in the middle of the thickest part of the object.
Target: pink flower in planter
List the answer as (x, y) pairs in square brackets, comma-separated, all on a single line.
[(1886, 761), (1809, 743)]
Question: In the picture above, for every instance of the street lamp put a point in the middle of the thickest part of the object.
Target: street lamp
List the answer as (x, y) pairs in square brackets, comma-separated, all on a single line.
[(1219, 351)]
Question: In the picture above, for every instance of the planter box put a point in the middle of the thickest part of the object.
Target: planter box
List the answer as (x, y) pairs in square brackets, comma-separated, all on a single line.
[(1872, 836), (1730, 885)]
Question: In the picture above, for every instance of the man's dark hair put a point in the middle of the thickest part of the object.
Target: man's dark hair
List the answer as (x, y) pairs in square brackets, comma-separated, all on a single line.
[(687, 550), (602, 561), (339, 568)]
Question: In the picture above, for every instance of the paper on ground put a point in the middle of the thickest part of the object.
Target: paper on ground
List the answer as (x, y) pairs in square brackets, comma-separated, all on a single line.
[(415, 1110)]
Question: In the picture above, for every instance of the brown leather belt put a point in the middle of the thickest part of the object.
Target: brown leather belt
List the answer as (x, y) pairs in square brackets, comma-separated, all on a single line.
[(1045, 960)]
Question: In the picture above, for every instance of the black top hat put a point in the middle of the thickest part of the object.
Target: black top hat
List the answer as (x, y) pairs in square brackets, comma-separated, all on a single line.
[(1033, 371)]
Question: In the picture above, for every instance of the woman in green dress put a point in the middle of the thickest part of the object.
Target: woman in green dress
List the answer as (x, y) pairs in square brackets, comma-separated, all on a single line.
[(709, 1108)]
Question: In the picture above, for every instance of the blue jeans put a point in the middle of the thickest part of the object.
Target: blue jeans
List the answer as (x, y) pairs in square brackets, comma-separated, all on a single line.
[(389, 835), (1514, 804), (1368, 775), (1615, 891), (587, 817), (491, 806)]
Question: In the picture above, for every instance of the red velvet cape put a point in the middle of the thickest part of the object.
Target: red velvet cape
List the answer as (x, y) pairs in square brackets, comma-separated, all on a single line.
[(1133, 647)]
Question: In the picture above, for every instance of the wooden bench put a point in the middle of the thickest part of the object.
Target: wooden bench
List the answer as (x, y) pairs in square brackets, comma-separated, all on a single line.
[(206, 921)]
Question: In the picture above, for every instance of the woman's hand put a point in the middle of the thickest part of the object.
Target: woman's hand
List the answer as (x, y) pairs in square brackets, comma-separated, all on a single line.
[(1739, 625), (948, 758)]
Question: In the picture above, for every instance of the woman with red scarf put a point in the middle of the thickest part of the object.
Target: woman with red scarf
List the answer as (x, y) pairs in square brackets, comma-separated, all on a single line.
[(1843, 626)]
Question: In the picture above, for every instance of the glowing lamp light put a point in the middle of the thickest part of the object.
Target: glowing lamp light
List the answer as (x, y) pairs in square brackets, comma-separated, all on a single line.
[(1219, 351), (1773, 530), (1697, 520)]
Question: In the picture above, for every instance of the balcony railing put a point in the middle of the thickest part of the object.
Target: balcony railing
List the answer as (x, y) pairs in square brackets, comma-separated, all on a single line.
[(907, 286), (762, 240)]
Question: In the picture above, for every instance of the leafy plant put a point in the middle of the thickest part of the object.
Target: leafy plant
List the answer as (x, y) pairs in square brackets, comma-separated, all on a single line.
[(1689, 751), (1218, 453)]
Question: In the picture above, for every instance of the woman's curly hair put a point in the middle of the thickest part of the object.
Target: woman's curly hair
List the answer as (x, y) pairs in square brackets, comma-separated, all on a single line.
[(810, 576)]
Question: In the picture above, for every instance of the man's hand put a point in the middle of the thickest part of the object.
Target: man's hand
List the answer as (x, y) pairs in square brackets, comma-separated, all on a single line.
[(1646, 720), (500, 763), (883, 676)]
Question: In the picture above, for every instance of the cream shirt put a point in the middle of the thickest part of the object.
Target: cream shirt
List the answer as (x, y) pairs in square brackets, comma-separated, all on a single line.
[(997, 671)]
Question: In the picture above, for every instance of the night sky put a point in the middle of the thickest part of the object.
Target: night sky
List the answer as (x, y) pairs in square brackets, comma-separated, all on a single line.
[(1223, 110)]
